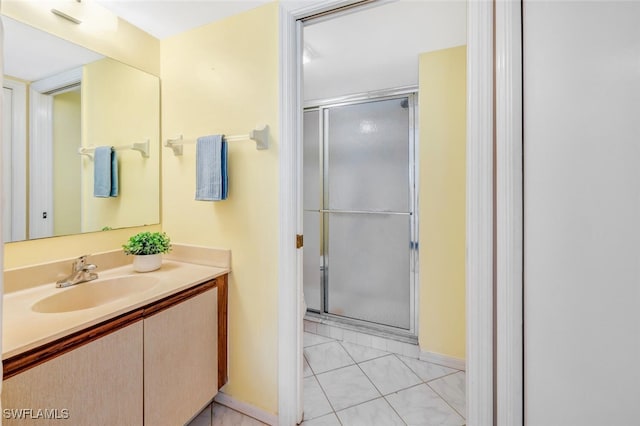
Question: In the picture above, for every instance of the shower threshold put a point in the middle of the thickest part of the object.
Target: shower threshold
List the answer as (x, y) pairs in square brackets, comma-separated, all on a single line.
[(340, 324)]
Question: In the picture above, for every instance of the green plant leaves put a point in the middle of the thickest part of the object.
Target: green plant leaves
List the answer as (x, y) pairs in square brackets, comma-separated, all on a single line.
[(148, 243)]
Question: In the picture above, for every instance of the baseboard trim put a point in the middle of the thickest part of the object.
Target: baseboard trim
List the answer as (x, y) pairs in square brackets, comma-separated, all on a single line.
[(246, 409), (445, 360)]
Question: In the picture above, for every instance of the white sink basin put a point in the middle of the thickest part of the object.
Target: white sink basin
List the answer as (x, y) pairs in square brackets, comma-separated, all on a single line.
[(94, 293)]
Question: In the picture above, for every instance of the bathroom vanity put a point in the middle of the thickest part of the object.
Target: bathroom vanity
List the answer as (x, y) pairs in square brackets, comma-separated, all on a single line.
[(155, 356)]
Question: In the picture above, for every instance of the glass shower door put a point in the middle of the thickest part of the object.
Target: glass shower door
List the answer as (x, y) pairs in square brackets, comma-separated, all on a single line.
[(368, 212), (358, 166)]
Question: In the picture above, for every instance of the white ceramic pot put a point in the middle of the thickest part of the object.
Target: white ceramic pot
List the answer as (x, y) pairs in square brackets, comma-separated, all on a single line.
[(147, 262)]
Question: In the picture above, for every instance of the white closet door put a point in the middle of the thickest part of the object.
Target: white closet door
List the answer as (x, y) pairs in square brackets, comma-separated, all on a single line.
[(582, 212)]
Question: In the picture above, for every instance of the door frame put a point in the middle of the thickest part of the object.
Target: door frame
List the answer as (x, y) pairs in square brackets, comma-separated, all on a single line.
[(479, 214), (41, 94), (493, 225), (509, 216)]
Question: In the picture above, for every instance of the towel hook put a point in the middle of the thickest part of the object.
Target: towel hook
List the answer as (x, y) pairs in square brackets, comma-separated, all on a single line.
[(175, 144)]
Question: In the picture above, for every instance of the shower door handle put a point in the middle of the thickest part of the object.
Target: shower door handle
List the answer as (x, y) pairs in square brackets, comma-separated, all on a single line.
[(363, 212)]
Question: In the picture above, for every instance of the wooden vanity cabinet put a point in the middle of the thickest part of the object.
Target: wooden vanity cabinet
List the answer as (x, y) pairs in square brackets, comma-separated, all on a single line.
[(180, 360), (156, 365), (99, 383)]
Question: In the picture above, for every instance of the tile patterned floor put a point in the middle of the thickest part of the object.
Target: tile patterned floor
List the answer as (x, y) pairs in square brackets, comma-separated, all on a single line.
[(353, 385), (219, 415), (346, 384)]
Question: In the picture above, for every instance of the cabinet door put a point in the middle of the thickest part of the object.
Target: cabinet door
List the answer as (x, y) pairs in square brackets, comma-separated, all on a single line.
[(180, 360), (99, 383)]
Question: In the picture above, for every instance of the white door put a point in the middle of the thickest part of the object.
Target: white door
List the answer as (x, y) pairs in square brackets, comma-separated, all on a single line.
[(14, 168), (40, 165), (581, 213)]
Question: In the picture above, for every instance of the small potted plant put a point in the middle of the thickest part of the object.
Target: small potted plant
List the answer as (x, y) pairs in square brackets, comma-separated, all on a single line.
[(147, 249)]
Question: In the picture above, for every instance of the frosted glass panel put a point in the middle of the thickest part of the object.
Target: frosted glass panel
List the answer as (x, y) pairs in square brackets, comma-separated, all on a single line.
[(312, 260), (368, 156), (369, 267), (311, 158), (356, 161)]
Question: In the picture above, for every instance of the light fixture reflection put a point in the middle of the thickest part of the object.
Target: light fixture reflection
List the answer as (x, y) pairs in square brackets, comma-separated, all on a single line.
[(308, 54), (367, 126)]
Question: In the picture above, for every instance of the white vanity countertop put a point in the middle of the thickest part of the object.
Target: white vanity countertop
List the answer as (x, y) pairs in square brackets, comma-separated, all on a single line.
[(24, 329)]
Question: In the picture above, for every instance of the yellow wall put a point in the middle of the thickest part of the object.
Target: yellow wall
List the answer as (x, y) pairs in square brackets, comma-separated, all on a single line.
[(102, 32), (120, 106), (66, 170), (442, 201), (223, 78)]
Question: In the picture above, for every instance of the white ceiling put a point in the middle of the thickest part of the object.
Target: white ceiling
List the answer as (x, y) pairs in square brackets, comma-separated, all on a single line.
[(32, 54), (164, 18), (378, 47), (372, 48)]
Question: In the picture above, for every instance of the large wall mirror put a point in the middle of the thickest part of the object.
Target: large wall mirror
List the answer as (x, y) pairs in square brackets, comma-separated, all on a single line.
[(61, 102)]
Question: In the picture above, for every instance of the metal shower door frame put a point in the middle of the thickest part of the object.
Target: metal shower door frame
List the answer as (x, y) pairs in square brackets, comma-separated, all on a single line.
[(323, 107)]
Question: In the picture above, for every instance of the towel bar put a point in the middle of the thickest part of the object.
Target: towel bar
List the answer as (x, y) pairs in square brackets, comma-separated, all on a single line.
[(260, 136), (142, 147)]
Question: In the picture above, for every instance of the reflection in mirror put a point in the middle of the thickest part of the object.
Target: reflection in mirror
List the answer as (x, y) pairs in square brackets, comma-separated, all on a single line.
[(76, 98)]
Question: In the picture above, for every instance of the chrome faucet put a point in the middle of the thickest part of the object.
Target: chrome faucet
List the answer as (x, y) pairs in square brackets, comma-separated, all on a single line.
[(80, 273)]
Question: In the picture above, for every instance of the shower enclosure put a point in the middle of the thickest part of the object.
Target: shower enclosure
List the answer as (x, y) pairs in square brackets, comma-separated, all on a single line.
[(360, 221)]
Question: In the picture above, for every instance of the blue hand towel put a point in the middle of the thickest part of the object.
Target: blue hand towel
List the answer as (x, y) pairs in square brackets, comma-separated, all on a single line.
[(105, 172), (211, 168), (114, 174), (225, 171)]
